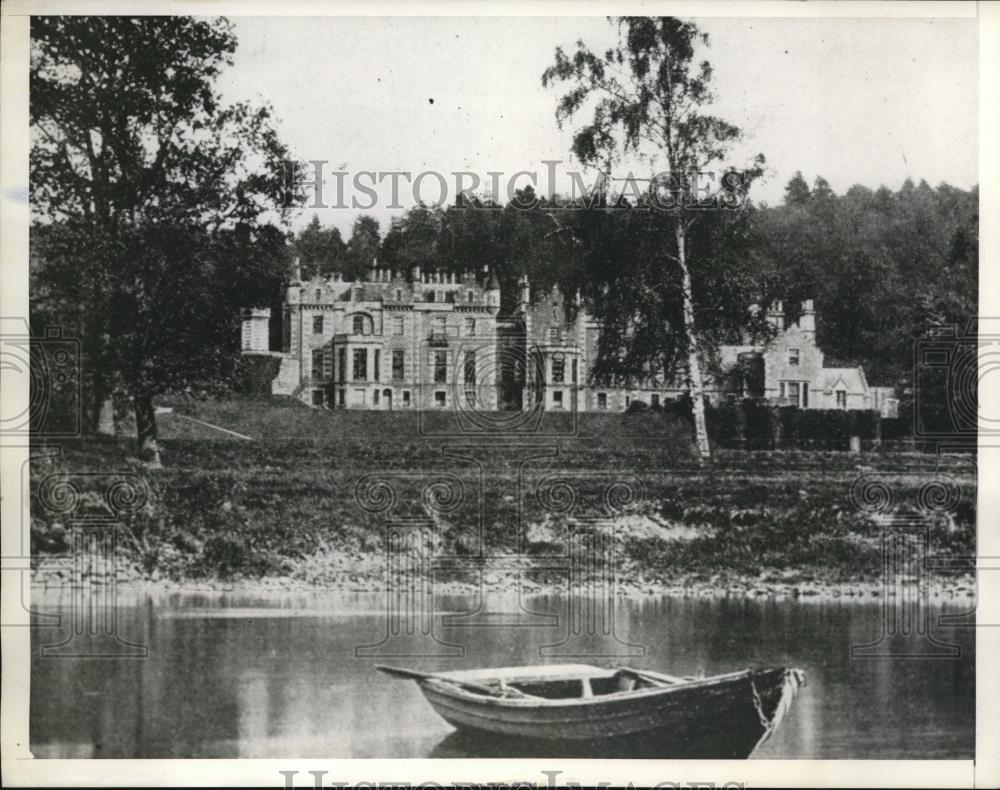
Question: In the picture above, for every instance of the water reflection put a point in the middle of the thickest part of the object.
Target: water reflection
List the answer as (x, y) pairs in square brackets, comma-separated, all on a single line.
[(285, 681)]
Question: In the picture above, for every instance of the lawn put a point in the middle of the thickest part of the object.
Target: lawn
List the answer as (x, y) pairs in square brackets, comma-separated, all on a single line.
[(311, 494)]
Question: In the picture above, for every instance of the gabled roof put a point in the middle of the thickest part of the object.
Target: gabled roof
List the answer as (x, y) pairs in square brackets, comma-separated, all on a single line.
[(850, 379)]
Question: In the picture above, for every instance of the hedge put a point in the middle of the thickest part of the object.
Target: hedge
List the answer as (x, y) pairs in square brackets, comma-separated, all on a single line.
[(753, 424)]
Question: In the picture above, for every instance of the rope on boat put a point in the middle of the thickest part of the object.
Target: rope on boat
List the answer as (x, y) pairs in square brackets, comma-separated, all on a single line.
[(794, 679), (759, 705)]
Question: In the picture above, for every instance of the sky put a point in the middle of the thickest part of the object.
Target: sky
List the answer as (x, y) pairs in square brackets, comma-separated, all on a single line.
[(857, 101)]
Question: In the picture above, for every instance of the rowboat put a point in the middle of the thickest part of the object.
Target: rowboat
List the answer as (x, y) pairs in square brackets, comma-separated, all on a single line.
[(582, 710)]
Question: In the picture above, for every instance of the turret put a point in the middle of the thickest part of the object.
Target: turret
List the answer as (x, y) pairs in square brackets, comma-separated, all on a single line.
[(523, 293), (493, 292), (255, 335), (776, 315), (294, 293), (807, 322)]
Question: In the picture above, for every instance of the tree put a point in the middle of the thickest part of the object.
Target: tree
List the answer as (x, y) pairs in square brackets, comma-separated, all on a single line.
[(648, 96), (155, 192), (322, 251), (363, 247), (797, 190)]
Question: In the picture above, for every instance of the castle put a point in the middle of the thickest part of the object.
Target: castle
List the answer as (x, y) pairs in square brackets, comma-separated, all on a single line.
[(438, 341)]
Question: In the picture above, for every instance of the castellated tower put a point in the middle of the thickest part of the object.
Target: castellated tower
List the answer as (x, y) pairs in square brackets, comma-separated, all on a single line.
[(493, 292)]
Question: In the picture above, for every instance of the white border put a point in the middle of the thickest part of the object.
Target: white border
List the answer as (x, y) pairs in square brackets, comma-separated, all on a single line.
[(19, 769)]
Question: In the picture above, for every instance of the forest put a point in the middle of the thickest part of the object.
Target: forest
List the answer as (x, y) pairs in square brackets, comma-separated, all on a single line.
[(882, 266)]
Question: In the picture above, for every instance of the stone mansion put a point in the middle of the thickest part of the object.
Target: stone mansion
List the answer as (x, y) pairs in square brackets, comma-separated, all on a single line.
[(438, 341)]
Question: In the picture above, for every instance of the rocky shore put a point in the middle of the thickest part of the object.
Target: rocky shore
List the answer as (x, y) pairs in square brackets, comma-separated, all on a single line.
[(53, 577)]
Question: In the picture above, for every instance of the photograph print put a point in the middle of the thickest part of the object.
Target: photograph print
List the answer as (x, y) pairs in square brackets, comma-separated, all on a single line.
[(501, 387)]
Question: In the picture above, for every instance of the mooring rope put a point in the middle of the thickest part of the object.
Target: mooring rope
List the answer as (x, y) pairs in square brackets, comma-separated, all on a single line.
[(765, 722), (794, 679)]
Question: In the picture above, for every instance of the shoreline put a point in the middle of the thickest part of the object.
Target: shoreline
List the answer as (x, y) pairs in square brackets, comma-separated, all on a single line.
[(49, 581)]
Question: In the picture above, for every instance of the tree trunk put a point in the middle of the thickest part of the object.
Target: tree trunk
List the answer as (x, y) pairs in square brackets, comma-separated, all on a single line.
[(694, 364), (106, 417), (145, 428)]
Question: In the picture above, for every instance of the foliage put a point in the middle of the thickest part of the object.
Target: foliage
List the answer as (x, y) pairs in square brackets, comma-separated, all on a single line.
[(150, 201), (882, 266)]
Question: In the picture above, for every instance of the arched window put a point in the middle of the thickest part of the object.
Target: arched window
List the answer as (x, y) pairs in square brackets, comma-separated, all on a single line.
[(359, 325)]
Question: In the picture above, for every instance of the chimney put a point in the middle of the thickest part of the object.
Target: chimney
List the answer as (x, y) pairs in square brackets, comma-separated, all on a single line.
[(776, 315), (523, 292), (807, 323), (416, 274)]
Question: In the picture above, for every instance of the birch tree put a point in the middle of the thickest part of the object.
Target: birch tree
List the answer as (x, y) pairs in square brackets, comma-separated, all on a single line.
[(649, 97)]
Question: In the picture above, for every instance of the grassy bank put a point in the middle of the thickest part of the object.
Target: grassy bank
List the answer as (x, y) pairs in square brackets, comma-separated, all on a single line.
[(309, 496)]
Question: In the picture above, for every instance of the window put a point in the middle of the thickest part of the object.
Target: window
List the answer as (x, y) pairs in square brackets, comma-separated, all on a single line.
[(317, 363), (628, 401), (439, 399), (359, 397), (340, 397), (574, 372), (398, 361), (342, 367), (470, 327), (317, 397), (360, 364), (793, 356), (317, 325), (470, 367), (654, 399), (558, 368), (557, 399), (359, 325), (440, 367), (437, 326), (399, 294), (602, 401), (397, 325), (470, 399), (441, 297), (792, 388), (841, 399), (319, 294), (555, 334), (470, 297), (430, 296), (375, 397), (805, 395), (376, 365), (406, 397)]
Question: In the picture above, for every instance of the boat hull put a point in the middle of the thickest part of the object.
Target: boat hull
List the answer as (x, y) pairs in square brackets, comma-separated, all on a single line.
[(723, 717)]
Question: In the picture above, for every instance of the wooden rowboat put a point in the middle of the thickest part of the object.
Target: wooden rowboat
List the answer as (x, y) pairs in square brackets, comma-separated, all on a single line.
[(582, 710)]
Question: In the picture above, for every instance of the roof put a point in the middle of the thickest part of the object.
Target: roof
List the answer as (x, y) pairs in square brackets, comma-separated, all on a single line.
[(493, 284), (852, 379)]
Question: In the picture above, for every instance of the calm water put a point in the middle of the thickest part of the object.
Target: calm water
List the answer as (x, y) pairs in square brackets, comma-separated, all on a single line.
[(231, 676)]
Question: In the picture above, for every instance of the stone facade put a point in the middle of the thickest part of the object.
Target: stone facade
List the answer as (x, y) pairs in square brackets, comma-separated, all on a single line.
[(438, 342)]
